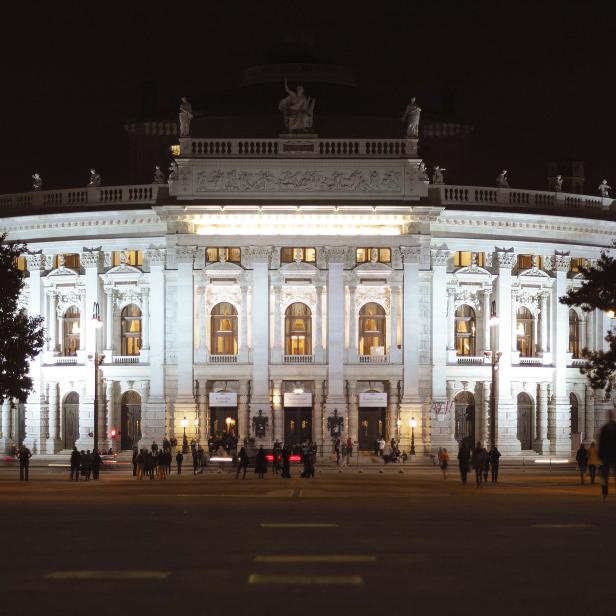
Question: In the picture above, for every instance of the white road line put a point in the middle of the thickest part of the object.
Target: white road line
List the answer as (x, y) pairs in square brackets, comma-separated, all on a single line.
[(107, 575), (298, 525), (305, 580), (314, 558), (563, 525)]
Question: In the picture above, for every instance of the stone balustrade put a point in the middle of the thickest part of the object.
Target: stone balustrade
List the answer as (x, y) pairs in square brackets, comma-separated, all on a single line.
[(125, 359), (470, 360), (298, 359), (223, 359), (374, 359)]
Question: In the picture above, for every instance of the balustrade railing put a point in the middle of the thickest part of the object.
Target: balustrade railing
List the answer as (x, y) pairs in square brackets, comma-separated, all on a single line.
[(65, 361), (469, 360), (374, 359), (531, 361), (223, 359), (125, 359), (298, 359)]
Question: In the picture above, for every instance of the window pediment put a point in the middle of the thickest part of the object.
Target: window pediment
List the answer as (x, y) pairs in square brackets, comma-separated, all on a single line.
[(473, 270), (63, 271), (224, 268), (533, 273), (375, 269), (305, 269), (124, 269)]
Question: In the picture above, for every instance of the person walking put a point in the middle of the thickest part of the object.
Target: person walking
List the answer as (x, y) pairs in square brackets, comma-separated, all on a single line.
[(24, 456), (75, 463), (443, 461), (464, 457), (494, 455), (581, 457), (276, 458), (337, 450), (97, 462), (135, 454), (195, 461), (478, 461), (86, 465), (593, 461), (349, 450), (607, 451), (179, 458), (382, 447), (242, 463), (286, 463), (260, 463), (486, 465)]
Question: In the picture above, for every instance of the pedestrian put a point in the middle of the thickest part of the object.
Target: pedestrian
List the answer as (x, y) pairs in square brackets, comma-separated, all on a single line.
[(494, 456), (24, 463), (464, 457), (607, 451), (286, 463), (260, 463), (154, 447), (349, 450), (135, 454), (337, 450), (443, 461), (478, 461), (195, 461), (242, 463), (86, 464), (201, 457), (593, 461), (148, 465), (344, 454), (97, 462), (486, 465), (375, 447), (75, 464), (382, 447), (581, 457), (166, 444), (179, 458)]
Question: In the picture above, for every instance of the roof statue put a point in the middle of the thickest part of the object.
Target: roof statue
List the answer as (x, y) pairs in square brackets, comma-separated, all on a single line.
[(37, 182), (501, 179), (604, 189), (173, 172), (558, 183), (185, 115), (437, 175), (411, 117), (95, 178), (422, 172), (159, 176), (297, 109)]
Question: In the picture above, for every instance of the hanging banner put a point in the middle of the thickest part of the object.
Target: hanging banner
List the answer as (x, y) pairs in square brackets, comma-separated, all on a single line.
[(442, 409), (374, 399), (303, 400), (223, 398)]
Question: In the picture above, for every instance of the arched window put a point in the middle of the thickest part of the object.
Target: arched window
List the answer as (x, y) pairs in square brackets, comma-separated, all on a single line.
[(131, 330), (372, 329), (465, 331), (525, 332), (298, 330), (224, 329), (70, 332), (574, 334)]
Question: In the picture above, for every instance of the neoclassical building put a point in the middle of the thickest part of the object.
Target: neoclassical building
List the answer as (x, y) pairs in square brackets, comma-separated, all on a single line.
[(297, 288)]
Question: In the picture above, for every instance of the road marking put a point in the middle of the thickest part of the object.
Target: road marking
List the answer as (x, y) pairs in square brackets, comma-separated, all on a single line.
[(314, 558), (296, 493), (107, 575), (563, 525), (298, 525), (304, 580)]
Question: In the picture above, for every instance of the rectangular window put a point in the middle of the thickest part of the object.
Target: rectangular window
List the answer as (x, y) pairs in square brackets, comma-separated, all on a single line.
[(364, 255), (577, 264), (233, 255), (526, 262), (464, 258), (21, 264), (130, 257), (68, 260), (306, 255)]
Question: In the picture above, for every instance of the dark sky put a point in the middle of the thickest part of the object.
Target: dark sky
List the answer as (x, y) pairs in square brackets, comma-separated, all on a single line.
[(536, 78)]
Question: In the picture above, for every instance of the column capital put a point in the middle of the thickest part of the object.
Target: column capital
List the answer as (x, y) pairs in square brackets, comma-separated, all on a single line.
[(185, 254), (439, 257), (561, 262), (156, 257), (410, 254), (505, 258), (92, 258), (257, 254), (335, 254), (35, 261)]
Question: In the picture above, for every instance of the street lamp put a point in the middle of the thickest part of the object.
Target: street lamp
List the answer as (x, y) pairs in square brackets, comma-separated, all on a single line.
[(413, 425), (197, 428), (398, 423), (184, 423), (96, 323)]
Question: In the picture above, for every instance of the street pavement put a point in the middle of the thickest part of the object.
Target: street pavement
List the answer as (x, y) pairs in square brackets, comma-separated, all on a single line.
[(345, 542)]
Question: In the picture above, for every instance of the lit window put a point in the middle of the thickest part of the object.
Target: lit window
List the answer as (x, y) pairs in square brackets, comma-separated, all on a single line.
[(305, 255), (372, 329), (131, 330), (298, 330), (526, 262), (68, 260), (21, 264), (464, 258), (578, 264), (224, 329), (365, 255), (175, 150), (129, 257), (71, 330), (525, 332), (574, 334), (233, 255), (465, 329)]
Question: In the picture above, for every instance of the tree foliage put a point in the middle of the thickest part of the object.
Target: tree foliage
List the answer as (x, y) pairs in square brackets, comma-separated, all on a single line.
[(21, 336), (598, 291)]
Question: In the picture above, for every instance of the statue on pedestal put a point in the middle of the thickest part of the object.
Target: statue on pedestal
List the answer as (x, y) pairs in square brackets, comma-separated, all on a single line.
[(297, 109), (335, 424), (159, 176), (411, 117), (185, 115), (604, 189), (501, 179), (437, 175), (173, 172), (95, 179), (422, 172), (259, 424), (37, 182), (558, 183)]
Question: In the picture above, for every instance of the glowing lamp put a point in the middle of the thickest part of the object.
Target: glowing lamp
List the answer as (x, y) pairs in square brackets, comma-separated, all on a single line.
[(184, 422), (413, 423)]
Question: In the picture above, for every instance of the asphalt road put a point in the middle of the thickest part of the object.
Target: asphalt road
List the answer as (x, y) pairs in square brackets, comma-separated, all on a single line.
[(343, 543)]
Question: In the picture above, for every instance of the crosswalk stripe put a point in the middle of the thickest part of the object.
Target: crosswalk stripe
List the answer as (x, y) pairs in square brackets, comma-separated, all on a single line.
[(314, 558), (306, 580)]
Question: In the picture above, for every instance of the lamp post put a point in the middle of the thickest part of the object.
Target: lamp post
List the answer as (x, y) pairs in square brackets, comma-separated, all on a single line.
[(398, 423), (494, 358), (96, 323), (197, 428), (413, 425), (184, 423)]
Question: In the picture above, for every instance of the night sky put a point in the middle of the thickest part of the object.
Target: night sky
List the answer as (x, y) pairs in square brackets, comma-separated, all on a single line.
[(536, 81)]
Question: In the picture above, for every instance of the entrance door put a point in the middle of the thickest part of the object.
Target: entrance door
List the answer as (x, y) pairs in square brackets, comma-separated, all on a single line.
[(223, 422), (131, 420), (371, 427), (70, 415), (297, 425), (525, 418), (465, 418)]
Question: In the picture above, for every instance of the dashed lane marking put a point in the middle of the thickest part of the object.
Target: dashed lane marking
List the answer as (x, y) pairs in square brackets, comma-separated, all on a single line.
[(315, 558), (306, 580), (563, 525), (296, 493), (298, 525), (107, 575)]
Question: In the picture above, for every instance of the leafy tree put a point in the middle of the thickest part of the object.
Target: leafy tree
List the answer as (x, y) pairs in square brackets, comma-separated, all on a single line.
[(597, 291), (21, 336)]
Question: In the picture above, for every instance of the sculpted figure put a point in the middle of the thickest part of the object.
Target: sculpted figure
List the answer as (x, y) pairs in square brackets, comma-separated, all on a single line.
[(95, 178), (501, 179), (334, 424), (259, 424), (297, 109), (37, 182), (411, 118), (422, 172), (185, 115), (604, 189), (437, 175), (558, 183), (159, 176), (173, 172)]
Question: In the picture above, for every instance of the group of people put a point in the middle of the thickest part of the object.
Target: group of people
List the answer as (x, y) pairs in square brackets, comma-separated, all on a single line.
[(85, 464), (343, 451), (479, 458)]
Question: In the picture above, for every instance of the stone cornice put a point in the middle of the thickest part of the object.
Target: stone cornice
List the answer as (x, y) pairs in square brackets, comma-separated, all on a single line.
[(410, 254), (335, 254)]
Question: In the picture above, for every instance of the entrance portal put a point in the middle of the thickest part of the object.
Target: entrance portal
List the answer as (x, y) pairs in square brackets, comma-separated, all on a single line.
[(525, 421), (223, 422), (297, 425), (371, 427), (465, 418), (130, 431), (70, 417)]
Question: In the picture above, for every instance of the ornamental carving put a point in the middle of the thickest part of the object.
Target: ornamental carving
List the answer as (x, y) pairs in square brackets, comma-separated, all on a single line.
[(256, 254), (216, 295), (505, 258), (410, 254), (562, 262), (292, 294), (335, 254), (156, 256), (184, 254), (466, 296), (36, 262), (68, 298), (91, 258), (298, 180), (122, 298), (367, 295), (439, 257), (530, 300)]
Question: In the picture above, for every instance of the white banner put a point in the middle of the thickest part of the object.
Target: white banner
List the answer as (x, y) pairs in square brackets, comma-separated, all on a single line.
[(373, 399), (303, 400), (223, 398), (442, 409)]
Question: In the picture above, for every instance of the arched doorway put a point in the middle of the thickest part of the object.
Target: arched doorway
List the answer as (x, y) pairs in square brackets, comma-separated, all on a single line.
[(576, 436), (465, 418), (130, 431), (70, 419), (525, 421)]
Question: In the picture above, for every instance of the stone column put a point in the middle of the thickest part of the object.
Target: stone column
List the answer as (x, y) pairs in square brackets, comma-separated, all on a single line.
[(394, 351), (317, 416), (244, 325), (278, 410), (108, 407), (506, 411), (353, 333), (202, 351), (590, 425), (451, 394), (5, 424), (109, 321), (318, 326), (542, 445), (54, 443), (353, 412), (145, 319), (485, 296), (52, 344), (204, 424), (393, 414), (514, 324), (243, 429), (83, 323), (560, 430), (543, 297), (451, 338), (277, 350)]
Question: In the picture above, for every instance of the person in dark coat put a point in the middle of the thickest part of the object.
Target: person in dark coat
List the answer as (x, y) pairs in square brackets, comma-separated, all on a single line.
[(75, 464), (135, 454), (486, 465), (607, 451), (581, 457), (97, 462), (260, 463), (242, 463), (478, 460), (464, 458), (86, 464), (286, 462), (179, 458), (24, 462), (275, 458), (494, 456)]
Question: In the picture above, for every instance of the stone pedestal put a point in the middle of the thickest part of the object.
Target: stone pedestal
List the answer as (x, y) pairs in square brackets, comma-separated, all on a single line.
[(267, 440)]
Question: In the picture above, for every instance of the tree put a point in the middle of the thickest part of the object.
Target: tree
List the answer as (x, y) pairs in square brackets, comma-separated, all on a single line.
[(21, 336), (598, 291)]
